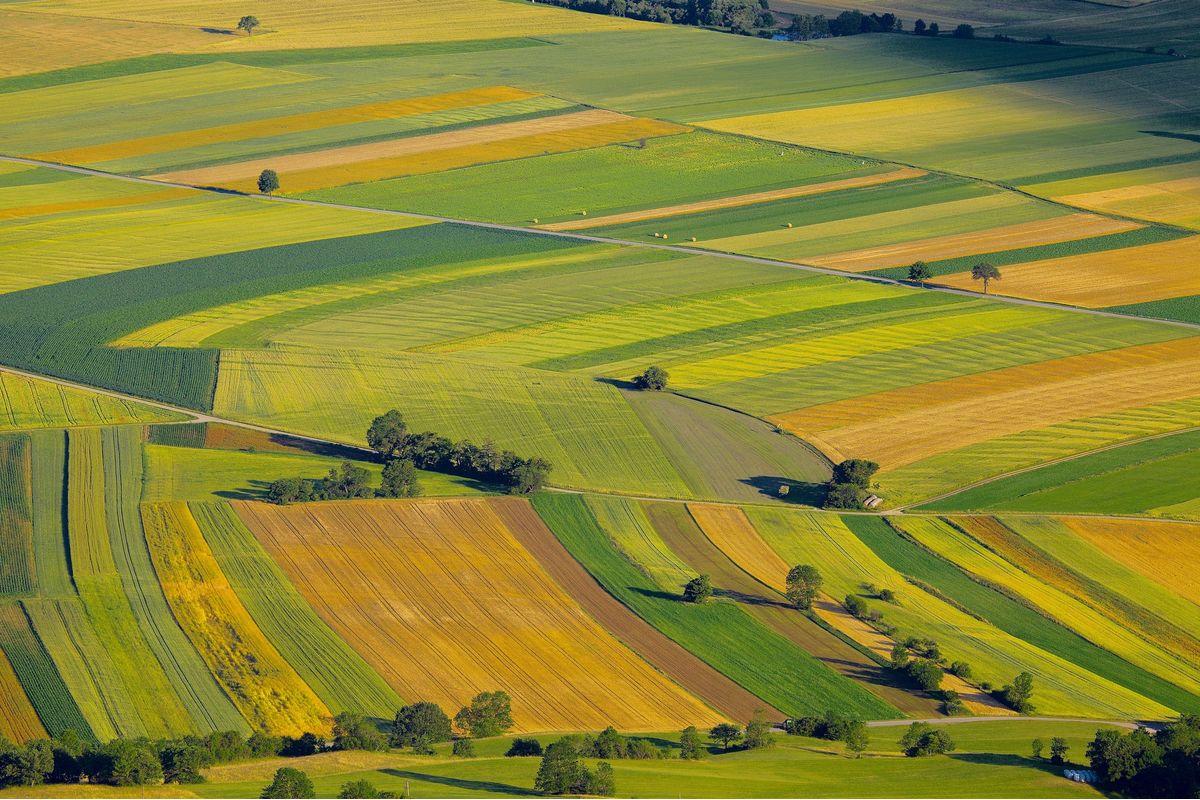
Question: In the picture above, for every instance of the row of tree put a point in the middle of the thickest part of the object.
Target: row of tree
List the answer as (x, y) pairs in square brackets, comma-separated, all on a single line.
[(848, 23), (737, 16)]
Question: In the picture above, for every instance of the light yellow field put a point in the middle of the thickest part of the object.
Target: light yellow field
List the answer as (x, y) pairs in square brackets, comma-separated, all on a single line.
[(36, 252), (18, 721), (1066, 609), (431, 153), (290, 123), (262, 685), (67, 206), (32, 403), (444, 602), (1166, 552), (905, 425), (1163, 194), (289, 24), (739, 200), (1024, 234), (1096, 280), (631, 531), (729, 529)]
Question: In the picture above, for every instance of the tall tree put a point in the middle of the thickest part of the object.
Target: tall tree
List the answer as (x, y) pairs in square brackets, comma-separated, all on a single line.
[(268, 181), (388, 434), (803, 585), (986, 273), (919, 272)]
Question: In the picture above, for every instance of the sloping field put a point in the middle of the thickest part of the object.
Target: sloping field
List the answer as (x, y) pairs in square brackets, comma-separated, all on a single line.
[(1165, 552), (49, 464), (1023, 234), (905, 425), (38, 676), (264, 687), (696, 535), (18, 721), (431, 153), (32, 403), (1096, 280), (1162, 194), (995, 656), (443, 601), (16, 517), (335, 672), (722, 634)]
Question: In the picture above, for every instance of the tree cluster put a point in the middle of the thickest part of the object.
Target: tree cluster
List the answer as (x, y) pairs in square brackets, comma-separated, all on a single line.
[(1145, 764), (422, 725), (389, 436), (831, 726), (737, 16), (923, 739), (698, 589), (562, 771), (342, 483), (849, 484), (921, 29), (847, 23), (654, 379)]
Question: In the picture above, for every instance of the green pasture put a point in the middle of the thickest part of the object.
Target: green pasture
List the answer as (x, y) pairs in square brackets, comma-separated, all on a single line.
[(720, 633)]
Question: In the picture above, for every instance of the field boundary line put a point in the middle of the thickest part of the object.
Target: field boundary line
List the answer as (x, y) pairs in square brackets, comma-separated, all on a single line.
[(583, 237)]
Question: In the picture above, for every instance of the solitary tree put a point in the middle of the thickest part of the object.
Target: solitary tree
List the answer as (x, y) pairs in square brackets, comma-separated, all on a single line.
[(464, 748), (653, 379), (919, 272), (248, 23), (268, 181), (803, 584), (1018, 693), (698, 590), (986, 273), (726, 734), (691, 747), (289, 783), (855, 471), (857, 739), (1058, 750), (1037, 746)]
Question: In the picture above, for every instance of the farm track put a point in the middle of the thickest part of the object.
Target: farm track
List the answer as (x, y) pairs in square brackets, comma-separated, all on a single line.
[(690, 251)]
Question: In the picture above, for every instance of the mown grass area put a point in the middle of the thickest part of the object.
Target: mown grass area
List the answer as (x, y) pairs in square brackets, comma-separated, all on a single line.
[(1010, 615), (338, 675), (720, 633), (1136, 477)]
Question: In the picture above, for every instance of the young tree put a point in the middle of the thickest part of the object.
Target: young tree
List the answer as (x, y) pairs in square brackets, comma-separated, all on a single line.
[(857, 739), (919, 27), (464, 748), (1037, 746), (419, 726), (726, 734), (268, 181), (758, 733), (560, 770), (986, 273), (803, 585), (1018, 693), (490, 714), (289, 783), (919, 272), (353, 731), (248, 23), (1058, 750), (602, 782), (399, 479), (691, 746), (653, 379), (388, 434), (698, 590), (934, 29)]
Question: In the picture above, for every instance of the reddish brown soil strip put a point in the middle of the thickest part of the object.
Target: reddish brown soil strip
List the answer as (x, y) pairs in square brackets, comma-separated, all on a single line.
[(644, 639)]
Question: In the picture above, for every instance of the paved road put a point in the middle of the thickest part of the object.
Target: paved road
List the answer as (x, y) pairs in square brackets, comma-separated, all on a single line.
[(892, 723)]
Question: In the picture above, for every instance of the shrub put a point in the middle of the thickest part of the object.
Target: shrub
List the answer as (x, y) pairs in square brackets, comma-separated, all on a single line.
[(464, 748), (698, 590), (922, 739), (524, 747), (654, 379), (289, 783)]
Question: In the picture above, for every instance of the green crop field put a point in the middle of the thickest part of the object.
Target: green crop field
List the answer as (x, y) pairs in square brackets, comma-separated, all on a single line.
[(16, 517)]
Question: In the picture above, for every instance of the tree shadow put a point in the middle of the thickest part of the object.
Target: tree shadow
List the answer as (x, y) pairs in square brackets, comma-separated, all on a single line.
[(1009, 760), (802, 493), (257, 490), (1187, 137), (628, 386), (222, 31), (656, 593), (461, 783), (748, 599)]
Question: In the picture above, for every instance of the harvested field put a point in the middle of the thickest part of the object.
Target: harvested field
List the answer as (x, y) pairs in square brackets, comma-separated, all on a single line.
[(17, 575), (905, 425), (264, 687), (432, 152), (444, 602), (704, 547), (290, 123), (1098, 280), (1176, 202), (18, 721), (1022, 234), (1165, 552), (737, 200)]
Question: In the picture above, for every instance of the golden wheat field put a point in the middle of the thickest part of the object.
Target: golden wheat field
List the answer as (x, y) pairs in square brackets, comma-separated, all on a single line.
[(18, 721), (904, 425), (1165, 552), (263, 686), (1107, 278), (444, 602), (1007, 237)]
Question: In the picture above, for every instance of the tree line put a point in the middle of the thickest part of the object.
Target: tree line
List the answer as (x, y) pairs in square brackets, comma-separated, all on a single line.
[(1144, 764), (736, 16)]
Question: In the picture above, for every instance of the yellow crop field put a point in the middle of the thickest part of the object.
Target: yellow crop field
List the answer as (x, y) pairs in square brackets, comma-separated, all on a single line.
[(1007, 237), (155, 196), (905, 425), (444, 602), (95, 241), (628, 527), (1163, 194), (825, 349), (1069, 611), (1166, 552), (264, 687), (18, 721), (433, 152), (32, 403), (1095, 280), (290, 123), (289, 24), (903, 173)]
